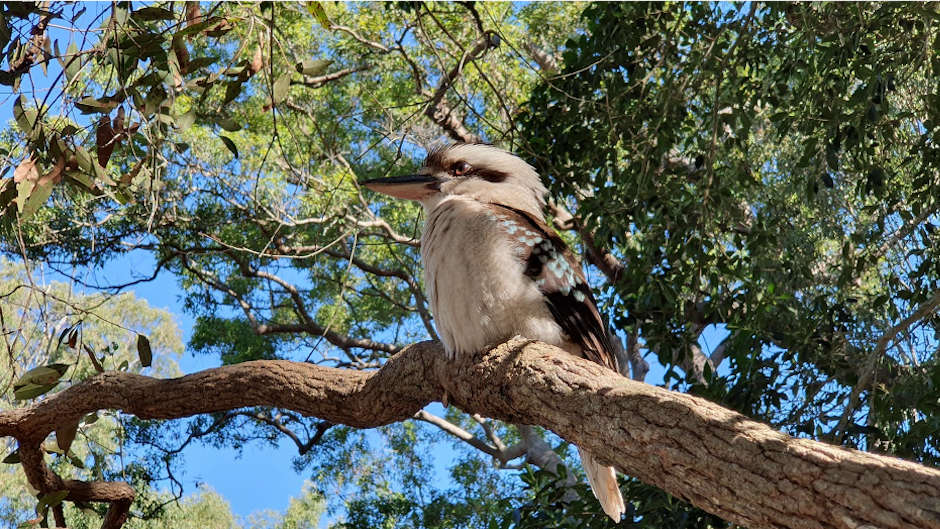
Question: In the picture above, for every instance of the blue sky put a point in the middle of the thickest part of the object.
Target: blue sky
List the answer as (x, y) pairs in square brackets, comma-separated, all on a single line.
[(273, 480)]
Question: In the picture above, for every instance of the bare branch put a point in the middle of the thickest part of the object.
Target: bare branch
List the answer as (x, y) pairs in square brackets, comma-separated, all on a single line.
[(320, 80), (439, 112), (457, 432)]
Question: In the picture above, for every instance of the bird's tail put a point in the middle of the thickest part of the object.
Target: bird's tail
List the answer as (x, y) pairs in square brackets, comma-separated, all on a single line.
[(603, 482)]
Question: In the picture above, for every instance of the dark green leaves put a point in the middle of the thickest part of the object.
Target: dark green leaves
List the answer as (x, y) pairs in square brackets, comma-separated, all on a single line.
[(143, 350), (229, 144), (153, 13)]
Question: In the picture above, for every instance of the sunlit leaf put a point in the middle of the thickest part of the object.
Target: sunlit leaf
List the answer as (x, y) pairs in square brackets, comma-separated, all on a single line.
[(184, 121), (40, 193), (281, 87), (42, 375), (31, 391), (316, 9), (50, 499), (313, 67)]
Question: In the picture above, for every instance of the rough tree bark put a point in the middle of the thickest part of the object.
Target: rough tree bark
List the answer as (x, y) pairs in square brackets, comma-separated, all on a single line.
[(715, 458)]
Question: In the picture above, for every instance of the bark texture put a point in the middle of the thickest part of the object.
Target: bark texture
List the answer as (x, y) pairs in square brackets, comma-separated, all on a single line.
[(715, 458)]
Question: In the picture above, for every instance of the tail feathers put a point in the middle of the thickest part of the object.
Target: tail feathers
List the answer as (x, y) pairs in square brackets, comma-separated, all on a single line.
[(603, 482)]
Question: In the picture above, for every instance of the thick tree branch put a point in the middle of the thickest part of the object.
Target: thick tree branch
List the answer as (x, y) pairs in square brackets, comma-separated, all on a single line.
[(718, 459)]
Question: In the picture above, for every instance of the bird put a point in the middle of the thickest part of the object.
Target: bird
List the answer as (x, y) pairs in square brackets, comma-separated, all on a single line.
[(494, 269)]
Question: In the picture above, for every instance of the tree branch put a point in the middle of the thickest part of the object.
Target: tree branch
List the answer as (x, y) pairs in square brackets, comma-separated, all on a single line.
[(715, 458), (924, 310)]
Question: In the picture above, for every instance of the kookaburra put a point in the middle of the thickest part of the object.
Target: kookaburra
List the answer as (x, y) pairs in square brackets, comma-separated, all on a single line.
[(494, 269)]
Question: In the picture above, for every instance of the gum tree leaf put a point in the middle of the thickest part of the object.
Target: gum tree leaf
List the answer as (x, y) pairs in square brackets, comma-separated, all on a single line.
[(143, 350), (50, 499), (42, 375), (316, 9), (313, 67), (229, 144), (184, 121), (65, 435), (281, 88), (31, 391)]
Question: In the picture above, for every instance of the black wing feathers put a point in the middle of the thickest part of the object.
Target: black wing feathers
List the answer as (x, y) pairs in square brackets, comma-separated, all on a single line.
[(559, 277)]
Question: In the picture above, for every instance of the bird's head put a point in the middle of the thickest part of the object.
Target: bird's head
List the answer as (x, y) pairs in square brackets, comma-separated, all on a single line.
[(478, 172)]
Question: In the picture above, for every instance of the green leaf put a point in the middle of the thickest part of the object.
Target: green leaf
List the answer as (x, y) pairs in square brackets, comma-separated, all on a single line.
[(229, 124), (196, 28), (82, 179), (76, 461), (90, 105), (229, 144), (184, 121), (143, 350), (12, 458), (73, 62), (30, 391), (42, 375), (281, 87), (37, 197), (313, 67), (232, 89), (153, 13), (25, 118), (50, 499), (316, 9), (83, 158)]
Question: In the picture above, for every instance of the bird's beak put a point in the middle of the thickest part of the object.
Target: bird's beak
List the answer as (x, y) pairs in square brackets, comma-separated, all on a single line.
[(409, 187)]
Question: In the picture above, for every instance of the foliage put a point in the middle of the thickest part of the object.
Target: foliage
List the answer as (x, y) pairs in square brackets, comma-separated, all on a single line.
[(57, 325), (768, 169)]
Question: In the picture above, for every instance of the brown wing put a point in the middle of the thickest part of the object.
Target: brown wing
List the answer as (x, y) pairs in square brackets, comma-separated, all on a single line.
[(550, 263)]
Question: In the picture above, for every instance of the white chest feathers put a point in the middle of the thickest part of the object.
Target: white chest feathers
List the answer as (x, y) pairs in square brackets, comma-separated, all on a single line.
[(474, 275)]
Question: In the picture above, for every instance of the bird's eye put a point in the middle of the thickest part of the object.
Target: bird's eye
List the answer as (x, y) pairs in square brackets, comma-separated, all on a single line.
[(461, 168)]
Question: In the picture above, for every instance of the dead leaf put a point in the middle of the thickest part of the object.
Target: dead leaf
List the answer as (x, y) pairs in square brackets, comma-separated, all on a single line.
[(118, 124), (104, 136), (182, 54), (257, 62), (54, 176), (26, 170), (129, 177)]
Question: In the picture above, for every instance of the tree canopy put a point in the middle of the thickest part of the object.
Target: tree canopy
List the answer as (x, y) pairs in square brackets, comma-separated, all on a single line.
[(753, 188)]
